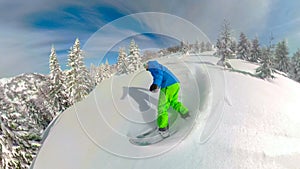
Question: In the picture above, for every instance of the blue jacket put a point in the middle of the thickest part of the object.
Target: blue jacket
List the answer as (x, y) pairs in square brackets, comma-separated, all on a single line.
[(162, 76)]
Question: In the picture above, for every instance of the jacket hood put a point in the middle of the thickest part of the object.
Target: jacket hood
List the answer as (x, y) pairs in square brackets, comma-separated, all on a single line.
[(153, 65)]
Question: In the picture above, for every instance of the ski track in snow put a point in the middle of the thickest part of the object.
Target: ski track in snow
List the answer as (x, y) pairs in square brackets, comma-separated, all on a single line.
[(243, 122)]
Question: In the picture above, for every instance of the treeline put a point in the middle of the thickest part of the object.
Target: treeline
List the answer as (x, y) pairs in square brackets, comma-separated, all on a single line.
[(74, 84), (271, 57), (187, 48)]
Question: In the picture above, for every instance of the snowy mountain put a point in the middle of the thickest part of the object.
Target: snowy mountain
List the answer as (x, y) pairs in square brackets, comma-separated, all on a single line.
[(238, 121), (17, 91), (25, 111)]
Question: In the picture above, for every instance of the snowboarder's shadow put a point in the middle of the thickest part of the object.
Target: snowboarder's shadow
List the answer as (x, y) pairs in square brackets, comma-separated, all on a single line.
[(144, 100), (141, 97)]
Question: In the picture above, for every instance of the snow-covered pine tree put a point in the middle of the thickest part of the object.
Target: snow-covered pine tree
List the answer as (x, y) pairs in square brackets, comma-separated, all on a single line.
[(122, 64), (255, 51), (134, 57), (295, 66), (58, 87), (99, 75), (113, 69), (44, 106), (28, 112), (107, 69), (202, 47), (271, 48), (5, 104), (103, 72), (208, 46), (93, 72), (78, 79), (224, 44), (281, 57), (265, 70), (243, 48), (184, 48), (197, 47), (218, 46), (20, 140), (233, 48)]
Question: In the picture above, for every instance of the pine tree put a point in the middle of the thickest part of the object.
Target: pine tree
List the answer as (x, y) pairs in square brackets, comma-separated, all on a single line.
[(99, 76), (134, 57), (107, 69), (224, 44), (104, 72), (219, 46), (233, 48), (265, 70), (208, 46), (93, 72), (271, 48), (28, 112), (122, 64), (184, 47), (295, 66), (78, 78), (197, 47), (243, 48), (5, 104), (58, 86), (281, 57), (20, 140), (255, 51), (202, 47), (45, 105)]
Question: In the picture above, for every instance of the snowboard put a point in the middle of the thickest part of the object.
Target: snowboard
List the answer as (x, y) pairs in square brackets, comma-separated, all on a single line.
[(150, 137), (147, 132)]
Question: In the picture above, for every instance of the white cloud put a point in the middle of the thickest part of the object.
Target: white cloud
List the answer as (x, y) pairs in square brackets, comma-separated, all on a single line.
[(246, 15), (105, 39), (24, 51), (171, 26), (29, 47), (25, 48)]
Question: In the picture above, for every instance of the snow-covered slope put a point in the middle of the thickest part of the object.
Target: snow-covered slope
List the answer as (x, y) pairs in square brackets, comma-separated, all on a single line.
[(238, 121)]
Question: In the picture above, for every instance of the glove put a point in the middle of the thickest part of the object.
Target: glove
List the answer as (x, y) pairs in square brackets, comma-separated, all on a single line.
[(153, 88)]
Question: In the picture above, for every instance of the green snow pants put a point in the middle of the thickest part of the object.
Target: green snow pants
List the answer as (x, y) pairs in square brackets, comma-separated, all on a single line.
[(168, 96)]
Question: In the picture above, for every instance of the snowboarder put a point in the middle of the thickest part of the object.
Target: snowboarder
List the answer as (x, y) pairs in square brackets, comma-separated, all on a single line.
[(169, 86)]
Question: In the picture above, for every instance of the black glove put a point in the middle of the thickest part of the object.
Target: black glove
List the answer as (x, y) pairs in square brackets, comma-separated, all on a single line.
[(153, 87)]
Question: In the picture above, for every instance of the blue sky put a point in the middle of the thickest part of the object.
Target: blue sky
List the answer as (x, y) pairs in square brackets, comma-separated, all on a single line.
[(29, 28)]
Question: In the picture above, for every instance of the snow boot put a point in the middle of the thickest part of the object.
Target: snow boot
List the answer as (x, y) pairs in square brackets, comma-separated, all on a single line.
[(164, 132)]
